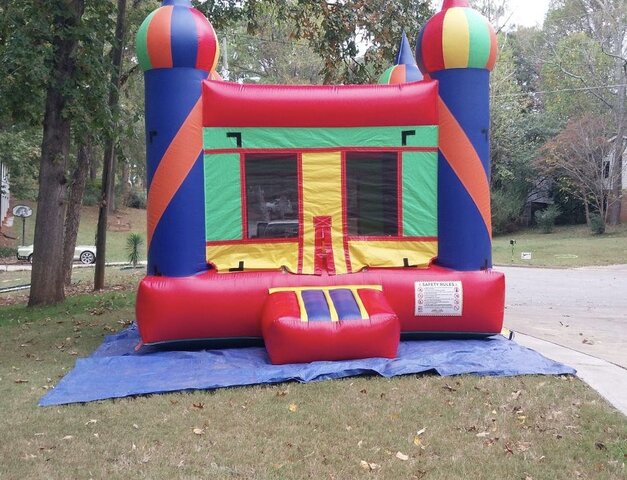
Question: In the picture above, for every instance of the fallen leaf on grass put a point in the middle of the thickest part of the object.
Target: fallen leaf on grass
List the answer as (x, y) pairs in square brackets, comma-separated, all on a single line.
[(198, 405), (198, 431), (449, 388), (402, 456), (490, 441), (418, 442), (20, 380), (369, 466), (282, 393), (523, 446), (292, 407), (600, 446)]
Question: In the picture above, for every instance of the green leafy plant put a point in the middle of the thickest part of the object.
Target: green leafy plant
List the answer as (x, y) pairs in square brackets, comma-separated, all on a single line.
[(597, 224), (546, 218), (133, 242), (8, 252)]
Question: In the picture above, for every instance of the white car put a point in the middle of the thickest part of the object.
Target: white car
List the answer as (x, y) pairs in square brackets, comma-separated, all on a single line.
[(84, 253)]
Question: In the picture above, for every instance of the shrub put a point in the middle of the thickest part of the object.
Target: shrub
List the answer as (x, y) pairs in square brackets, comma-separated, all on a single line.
[(506, 209), (597, 224), (136, 199), (8, 252), (546, 218)]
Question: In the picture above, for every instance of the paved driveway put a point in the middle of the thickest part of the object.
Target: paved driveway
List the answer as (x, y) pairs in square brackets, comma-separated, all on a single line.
[(584, 308)]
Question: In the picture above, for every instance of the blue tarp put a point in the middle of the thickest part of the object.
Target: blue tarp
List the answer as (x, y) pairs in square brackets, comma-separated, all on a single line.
[(115, 370)]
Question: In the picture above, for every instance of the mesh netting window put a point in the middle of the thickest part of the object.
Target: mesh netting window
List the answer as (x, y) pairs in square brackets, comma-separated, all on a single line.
[(372, 193), (272, 195)]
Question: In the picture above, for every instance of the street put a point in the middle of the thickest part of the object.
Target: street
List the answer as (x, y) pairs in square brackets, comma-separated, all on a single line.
[(584, 309)]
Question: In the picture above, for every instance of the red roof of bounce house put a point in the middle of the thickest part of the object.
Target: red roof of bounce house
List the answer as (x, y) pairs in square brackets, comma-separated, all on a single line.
[(233, 105)]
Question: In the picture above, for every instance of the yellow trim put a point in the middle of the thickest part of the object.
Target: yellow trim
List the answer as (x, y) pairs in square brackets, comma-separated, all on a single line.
[(322, 196), (335, 287), (390, 253), (455, 38), (258, 256), (301, 304), (331, 305), (360, 304)]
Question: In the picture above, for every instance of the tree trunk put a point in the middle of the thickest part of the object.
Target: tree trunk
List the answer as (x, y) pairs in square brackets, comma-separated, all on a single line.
[(587, 209), (125, 183), (109, 150), (75, 200), (114, 166), (47, 274)]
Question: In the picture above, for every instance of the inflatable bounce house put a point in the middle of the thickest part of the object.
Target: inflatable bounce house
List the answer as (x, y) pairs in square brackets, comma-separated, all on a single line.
[(327, 221)]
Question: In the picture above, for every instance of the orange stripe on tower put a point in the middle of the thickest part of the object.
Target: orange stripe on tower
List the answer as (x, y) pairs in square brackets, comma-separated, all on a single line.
[(463, 159), (174, 167), (493, 49), (158, 36)]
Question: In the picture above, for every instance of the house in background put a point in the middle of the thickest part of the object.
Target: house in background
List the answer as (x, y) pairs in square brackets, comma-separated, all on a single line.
[(539, 198), (4, 193)]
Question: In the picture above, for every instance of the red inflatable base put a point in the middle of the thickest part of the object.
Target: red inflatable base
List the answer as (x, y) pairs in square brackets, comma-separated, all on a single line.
[(214, 306), (290, 339)]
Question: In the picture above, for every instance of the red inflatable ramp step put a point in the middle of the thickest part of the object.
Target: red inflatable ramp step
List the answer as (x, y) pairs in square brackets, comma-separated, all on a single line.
[(306, 324)]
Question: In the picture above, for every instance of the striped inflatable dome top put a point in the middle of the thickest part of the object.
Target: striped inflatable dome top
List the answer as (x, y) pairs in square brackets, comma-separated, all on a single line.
[(404, 69), (177, 35), (456, 37), (400, 74)]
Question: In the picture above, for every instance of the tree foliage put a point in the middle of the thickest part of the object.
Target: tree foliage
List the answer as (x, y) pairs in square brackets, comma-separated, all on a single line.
[(580, 156)]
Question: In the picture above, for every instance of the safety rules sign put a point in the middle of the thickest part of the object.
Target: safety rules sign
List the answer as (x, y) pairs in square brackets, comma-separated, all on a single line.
[(439, 299)]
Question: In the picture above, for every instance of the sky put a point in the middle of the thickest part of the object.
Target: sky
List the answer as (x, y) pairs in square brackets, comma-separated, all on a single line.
[(528, 12)]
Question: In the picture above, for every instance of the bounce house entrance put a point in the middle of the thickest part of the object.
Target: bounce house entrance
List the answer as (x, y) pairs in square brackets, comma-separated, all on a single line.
[(323, 235)]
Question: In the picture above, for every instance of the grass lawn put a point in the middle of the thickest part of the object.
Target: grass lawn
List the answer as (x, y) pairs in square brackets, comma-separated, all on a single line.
[(571, 246), (412, 427)]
